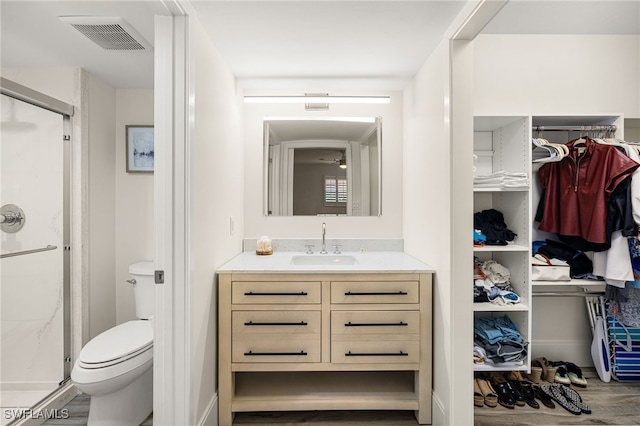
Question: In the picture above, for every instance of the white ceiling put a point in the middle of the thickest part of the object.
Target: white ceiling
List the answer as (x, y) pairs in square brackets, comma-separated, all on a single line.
[(342, 39), (290, 39), (33, 36)]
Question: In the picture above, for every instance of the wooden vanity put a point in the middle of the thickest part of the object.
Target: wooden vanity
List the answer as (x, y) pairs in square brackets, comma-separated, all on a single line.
[(325, 340)]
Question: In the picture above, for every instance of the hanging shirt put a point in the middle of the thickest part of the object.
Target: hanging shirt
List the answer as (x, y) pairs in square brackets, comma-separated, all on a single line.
[(577, 190)]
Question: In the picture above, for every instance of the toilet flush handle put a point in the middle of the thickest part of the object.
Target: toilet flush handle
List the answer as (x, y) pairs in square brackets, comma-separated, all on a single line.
[(132, 281)]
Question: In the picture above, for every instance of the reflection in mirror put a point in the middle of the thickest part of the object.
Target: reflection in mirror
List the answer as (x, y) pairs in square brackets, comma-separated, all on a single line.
[(322, 166)]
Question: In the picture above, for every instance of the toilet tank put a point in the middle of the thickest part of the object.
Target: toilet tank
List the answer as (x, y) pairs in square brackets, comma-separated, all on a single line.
[(144, 289)]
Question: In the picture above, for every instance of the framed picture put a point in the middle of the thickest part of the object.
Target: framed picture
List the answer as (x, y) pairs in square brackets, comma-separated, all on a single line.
[(140, 151)]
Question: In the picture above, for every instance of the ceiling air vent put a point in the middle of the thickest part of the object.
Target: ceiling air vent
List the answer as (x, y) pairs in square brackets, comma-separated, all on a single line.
[(110, 33)]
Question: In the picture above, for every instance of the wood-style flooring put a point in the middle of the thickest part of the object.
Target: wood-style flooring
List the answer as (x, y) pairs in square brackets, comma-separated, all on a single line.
[(612, 403), (78, 412)]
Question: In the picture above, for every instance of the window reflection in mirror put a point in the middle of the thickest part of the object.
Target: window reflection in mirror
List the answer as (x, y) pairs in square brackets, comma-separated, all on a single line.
[(329, 166)]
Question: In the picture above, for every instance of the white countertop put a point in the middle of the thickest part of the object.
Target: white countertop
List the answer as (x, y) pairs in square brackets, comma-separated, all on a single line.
[(372, 261)]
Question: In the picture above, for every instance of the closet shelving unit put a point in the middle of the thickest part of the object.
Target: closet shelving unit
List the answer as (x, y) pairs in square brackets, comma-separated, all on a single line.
[(504, 143)]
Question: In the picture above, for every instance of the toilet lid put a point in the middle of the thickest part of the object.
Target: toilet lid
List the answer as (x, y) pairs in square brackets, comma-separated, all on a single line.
[(118, 342)]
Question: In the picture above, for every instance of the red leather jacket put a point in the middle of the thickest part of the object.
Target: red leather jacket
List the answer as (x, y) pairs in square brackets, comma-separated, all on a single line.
[(577, 189)]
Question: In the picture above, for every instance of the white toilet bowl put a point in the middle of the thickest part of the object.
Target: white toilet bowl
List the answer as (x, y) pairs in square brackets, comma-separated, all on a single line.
[(115, 367)]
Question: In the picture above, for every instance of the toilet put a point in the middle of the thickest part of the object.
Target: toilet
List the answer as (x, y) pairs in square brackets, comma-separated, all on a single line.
[(115, 367)]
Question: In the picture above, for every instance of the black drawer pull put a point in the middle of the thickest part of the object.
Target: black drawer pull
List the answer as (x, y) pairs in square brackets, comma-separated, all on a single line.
[(251, 293), (251, 353), (377, 354), (383, 324), (381, 293), (276, 323)]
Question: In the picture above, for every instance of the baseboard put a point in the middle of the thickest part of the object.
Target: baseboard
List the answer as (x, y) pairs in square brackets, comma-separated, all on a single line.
[(210, 415), (51, 408), (576, 351), (437, 410)]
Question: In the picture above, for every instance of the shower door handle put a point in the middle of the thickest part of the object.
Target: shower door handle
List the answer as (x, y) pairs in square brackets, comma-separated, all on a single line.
[(20, 253)]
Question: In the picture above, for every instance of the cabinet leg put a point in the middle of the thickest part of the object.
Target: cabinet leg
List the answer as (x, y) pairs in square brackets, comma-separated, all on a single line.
[(225, 417)]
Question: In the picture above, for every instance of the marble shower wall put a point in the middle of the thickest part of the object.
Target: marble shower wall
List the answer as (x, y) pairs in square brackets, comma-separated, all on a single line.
[(31, 292)]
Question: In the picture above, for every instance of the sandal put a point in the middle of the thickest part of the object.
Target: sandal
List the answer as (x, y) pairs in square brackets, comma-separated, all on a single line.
[(478, 399), (489, 396), (515, 375), (543, 397), (562, 376), (576, 399), (536, 373), (528, 394), (575, 375), (504, 391), (556, 393), (548, 369), (516, 391), (512, 387)]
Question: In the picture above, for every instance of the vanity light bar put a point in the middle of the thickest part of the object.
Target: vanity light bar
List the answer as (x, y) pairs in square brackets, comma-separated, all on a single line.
[(317, 99)]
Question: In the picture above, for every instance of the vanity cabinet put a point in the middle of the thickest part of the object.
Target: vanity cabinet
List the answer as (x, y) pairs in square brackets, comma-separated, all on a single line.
[(324, 341)]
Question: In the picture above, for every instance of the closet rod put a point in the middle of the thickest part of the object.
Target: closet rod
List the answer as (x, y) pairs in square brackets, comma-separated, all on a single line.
[(598, 128), (568, 293)]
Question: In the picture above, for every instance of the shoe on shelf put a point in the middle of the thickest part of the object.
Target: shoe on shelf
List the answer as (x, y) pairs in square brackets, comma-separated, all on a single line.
[(543, 397), (489, 396), (575, 375)]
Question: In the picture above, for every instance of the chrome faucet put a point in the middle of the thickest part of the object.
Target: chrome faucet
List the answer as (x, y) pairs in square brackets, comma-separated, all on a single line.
[(324, 231)]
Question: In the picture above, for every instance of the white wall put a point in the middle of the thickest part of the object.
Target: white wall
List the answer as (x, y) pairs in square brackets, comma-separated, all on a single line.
[(427, 211), (98, 117), (556, 75), (388, 225), (217, 195), (134, 217)]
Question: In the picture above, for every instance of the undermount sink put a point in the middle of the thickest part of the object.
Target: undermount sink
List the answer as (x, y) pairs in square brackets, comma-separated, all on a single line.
[(324, 259)]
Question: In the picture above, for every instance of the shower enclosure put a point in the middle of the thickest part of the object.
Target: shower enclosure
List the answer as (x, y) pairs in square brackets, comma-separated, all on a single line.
[(34, 248)]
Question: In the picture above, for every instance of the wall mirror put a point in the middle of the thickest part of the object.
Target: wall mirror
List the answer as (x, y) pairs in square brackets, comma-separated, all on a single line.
[(322, 166)]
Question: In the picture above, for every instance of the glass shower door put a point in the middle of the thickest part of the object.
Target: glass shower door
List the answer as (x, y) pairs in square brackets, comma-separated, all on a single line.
[(32, 267)]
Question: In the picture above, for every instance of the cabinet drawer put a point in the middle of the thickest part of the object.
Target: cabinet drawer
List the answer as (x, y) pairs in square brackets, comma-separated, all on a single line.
[(294, 292), (276, 348), (375, 322), (374, 292), (376, 352), (260, 322)]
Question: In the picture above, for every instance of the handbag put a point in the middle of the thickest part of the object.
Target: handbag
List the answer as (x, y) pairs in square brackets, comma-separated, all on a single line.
[(545, 269)]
